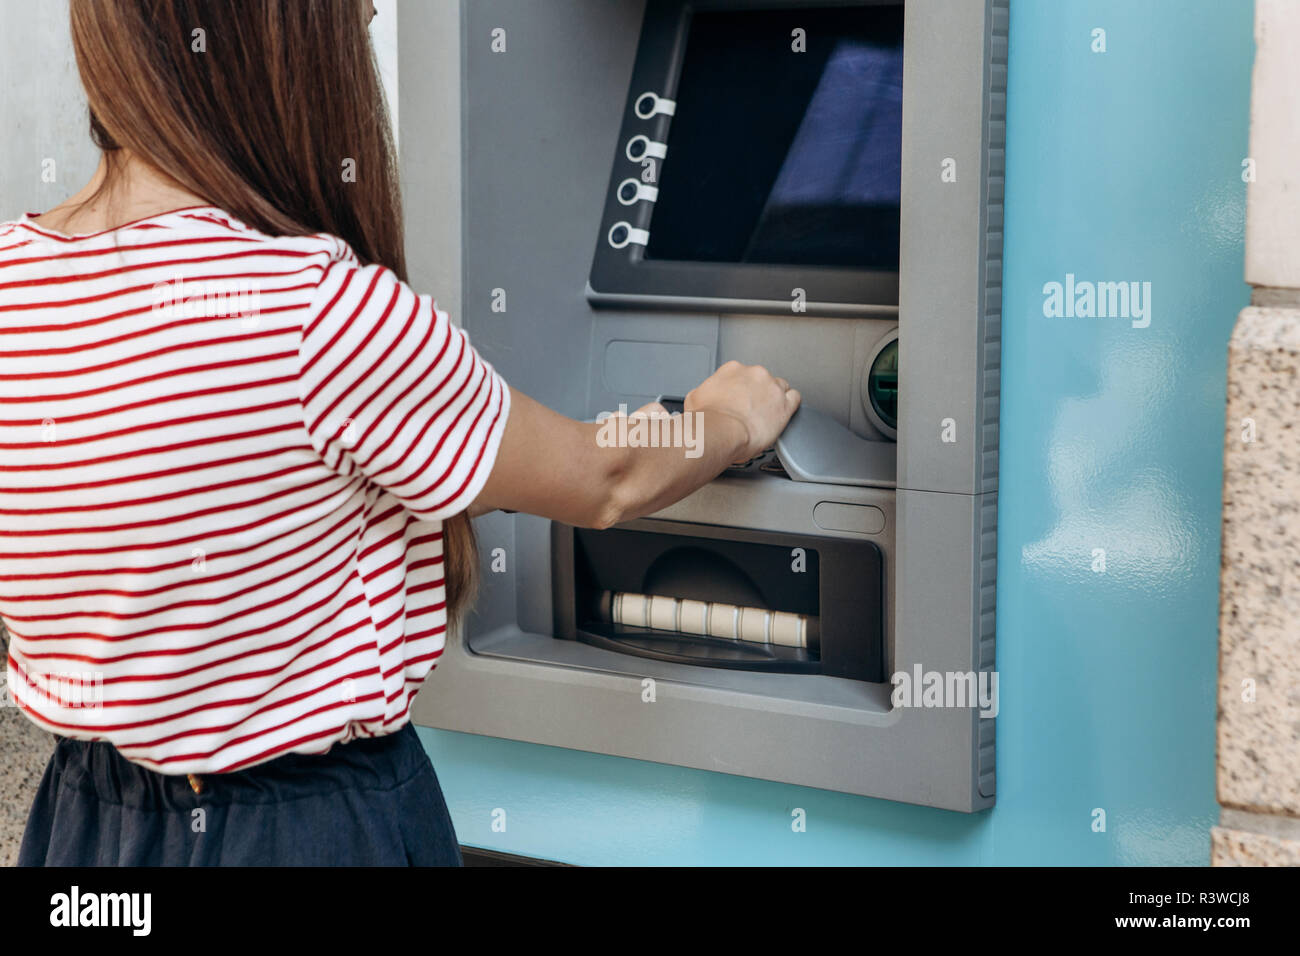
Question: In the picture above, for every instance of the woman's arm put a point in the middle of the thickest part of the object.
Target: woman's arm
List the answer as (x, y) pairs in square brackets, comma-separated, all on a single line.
[(555, 467)]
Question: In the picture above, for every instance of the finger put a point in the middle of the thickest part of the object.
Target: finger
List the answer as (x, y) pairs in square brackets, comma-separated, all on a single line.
[(653, 410), (792, 399), (785, 386)]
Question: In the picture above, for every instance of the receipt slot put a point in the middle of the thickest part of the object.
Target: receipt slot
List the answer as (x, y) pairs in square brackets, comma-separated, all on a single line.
[(653, 189)]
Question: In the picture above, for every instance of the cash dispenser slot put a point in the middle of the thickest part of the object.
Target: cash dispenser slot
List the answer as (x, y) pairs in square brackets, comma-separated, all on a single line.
[(722, 597)]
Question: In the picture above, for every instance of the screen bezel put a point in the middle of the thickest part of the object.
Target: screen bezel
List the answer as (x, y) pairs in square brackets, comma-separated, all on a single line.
[(627, 278)]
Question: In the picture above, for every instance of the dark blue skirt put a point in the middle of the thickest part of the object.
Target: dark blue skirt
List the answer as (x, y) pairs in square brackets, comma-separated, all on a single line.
[(371, 802)]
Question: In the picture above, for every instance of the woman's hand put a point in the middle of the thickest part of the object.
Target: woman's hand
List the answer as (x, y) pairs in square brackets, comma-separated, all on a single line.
[(558, 468), (752, 395)]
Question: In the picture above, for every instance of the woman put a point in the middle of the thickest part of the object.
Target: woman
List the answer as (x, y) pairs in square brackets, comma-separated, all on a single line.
[(239, 454)]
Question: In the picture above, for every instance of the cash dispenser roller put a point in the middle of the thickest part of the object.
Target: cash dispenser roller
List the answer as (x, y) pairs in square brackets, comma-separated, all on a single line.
[(811, 186)]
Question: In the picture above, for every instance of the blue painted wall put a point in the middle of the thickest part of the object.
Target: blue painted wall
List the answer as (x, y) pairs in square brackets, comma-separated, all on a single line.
[(1121, 166)]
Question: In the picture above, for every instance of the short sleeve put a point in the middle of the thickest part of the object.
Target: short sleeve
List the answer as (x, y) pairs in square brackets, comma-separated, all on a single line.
[(392, 390)]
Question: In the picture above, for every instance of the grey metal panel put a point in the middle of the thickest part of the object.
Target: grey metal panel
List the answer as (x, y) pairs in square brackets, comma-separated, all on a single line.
[(534, 180), (817, 355), (539, 122), (839, 735), (500, 580), (947, 626), (673, 358), (815, 447), (533, 566), (951, 260), (913, 756), (522, 646), (686, 303)]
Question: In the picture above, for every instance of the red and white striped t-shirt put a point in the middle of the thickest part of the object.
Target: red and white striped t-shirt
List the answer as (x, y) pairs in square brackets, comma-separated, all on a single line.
[(224, 462)]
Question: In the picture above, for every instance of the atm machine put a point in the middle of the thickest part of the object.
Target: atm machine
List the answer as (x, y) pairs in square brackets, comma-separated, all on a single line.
[(653, 188)]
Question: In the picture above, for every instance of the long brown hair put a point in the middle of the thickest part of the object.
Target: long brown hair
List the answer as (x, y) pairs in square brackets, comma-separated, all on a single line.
[(255, 106)]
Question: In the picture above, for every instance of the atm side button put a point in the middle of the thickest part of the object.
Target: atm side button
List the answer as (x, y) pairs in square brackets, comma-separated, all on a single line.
[(856, 519)]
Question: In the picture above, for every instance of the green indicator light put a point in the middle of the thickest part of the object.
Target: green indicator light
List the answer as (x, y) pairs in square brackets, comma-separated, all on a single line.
[(882, 384)]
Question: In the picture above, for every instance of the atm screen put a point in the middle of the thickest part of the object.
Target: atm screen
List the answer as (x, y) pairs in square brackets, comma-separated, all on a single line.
[(785, 157)]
